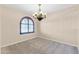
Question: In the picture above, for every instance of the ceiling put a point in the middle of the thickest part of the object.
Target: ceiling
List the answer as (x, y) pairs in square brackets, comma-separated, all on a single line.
[(47, 8)]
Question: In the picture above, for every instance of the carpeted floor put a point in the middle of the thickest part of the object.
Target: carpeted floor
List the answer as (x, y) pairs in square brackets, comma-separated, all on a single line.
[(39, 46)]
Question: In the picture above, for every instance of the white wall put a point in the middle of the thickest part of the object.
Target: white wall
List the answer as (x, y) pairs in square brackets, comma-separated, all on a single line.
[(61, 26), (78, 32), (0, 29), (11, 26)]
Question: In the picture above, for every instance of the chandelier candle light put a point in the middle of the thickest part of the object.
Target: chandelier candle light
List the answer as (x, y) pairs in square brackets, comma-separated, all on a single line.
[(39, 15)]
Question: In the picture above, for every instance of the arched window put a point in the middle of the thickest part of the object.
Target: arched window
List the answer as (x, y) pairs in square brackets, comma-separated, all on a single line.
[(26, 25)]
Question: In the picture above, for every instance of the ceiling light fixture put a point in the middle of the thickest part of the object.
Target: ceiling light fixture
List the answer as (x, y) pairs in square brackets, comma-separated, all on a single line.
[(39, 15)]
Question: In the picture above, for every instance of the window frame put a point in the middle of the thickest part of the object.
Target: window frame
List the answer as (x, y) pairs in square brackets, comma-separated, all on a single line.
[(28, 18)]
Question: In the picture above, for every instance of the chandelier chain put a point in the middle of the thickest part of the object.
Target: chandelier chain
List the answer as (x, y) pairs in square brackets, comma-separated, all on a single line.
[(39, 7)]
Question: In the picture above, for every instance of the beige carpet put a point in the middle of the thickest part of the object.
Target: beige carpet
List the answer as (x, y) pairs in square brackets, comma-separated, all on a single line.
[(39, 46)]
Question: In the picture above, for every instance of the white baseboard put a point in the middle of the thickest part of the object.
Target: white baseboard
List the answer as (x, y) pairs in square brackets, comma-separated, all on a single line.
[(15, 42), (44, 37)]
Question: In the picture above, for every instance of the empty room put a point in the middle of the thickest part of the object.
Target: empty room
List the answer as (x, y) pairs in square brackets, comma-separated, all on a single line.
[(39, 28)]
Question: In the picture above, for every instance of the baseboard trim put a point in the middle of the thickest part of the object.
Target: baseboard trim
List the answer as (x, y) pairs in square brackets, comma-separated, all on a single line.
[(15, 43), (43, 38), (58, 41)]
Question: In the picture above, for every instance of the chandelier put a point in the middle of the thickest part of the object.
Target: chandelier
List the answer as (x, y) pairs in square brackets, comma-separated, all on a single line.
[(39, 15)]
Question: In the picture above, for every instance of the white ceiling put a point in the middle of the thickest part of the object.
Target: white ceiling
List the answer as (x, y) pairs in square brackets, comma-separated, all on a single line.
[(31, 8)]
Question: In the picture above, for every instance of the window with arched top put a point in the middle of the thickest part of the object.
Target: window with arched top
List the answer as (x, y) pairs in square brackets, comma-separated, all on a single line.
[(26, 25)]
